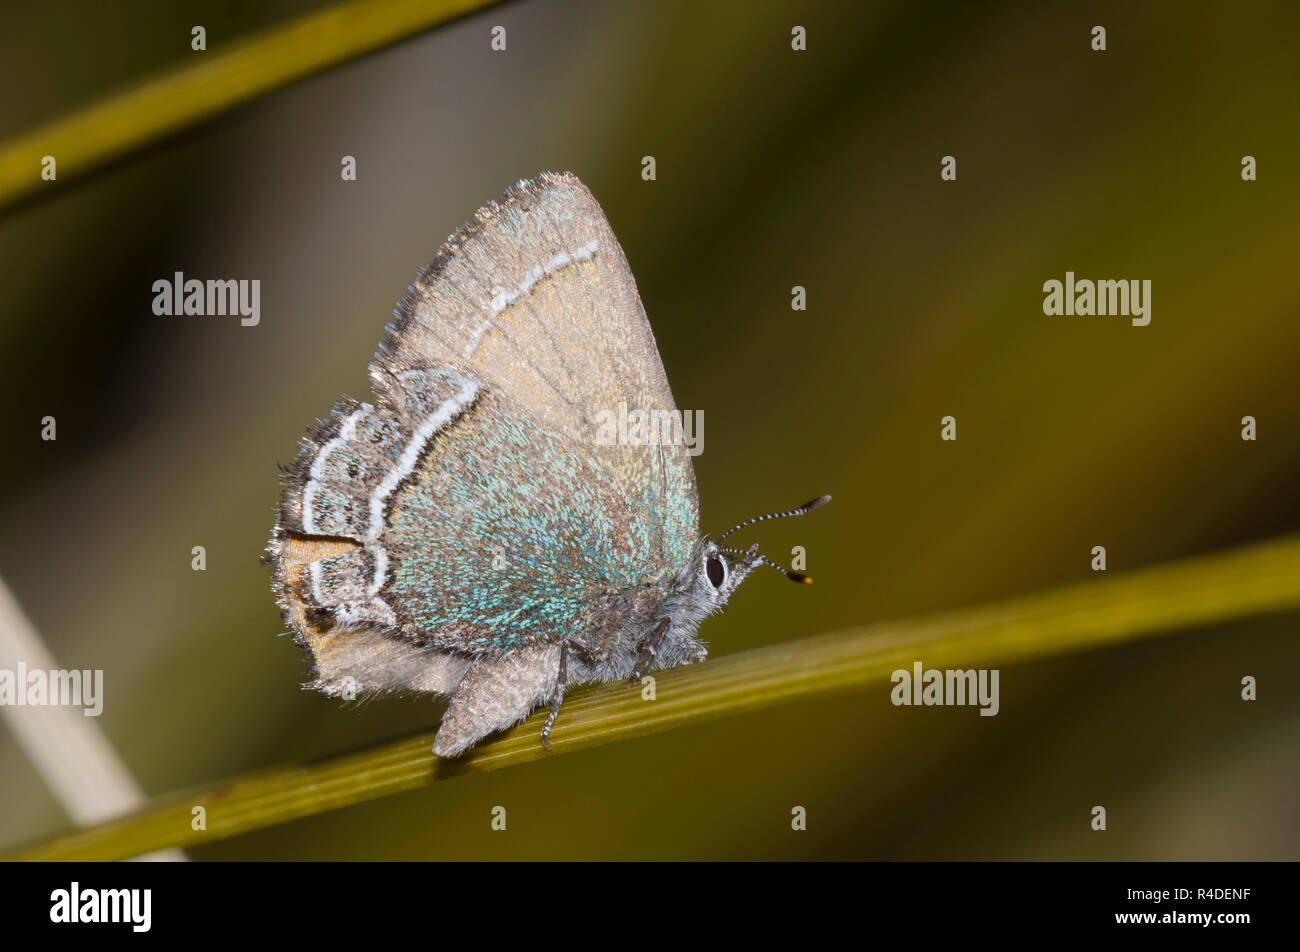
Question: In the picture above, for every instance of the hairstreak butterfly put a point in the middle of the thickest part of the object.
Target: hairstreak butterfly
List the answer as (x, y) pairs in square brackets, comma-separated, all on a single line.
[(467, 532)]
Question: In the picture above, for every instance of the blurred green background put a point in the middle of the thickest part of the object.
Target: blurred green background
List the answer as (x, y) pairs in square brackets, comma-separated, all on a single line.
[(775, 168)]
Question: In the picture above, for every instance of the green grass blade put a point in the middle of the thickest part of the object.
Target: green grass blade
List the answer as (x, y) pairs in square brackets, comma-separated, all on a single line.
[(1167, 599), (217, 80)]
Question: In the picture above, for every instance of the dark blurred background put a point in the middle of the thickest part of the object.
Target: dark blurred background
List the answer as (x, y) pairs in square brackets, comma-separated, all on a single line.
[(775, 168)]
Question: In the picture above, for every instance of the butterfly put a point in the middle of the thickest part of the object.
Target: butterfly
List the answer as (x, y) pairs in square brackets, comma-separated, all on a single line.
[(468, 532)]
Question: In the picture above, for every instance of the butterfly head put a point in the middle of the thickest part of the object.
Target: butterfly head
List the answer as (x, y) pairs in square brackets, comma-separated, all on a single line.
[(716, 570)]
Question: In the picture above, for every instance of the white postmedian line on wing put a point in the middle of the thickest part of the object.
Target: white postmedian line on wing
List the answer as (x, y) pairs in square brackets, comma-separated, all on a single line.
[(410, 456), (317, 472), (379, 498), (504, 298)]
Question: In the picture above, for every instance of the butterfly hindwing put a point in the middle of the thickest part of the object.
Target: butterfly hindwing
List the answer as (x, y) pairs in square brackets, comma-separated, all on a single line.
[(507, 535)]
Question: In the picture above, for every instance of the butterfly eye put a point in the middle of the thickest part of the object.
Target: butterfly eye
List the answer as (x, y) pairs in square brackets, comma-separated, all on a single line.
[(717, 571)]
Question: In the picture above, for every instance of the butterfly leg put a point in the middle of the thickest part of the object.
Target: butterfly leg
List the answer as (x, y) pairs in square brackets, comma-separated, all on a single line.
[(649, 649), (557, 698)]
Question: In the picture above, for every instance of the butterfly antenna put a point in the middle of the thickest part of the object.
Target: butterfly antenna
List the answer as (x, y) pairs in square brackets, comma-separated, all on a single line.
[(800, 511), (753, 556)]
